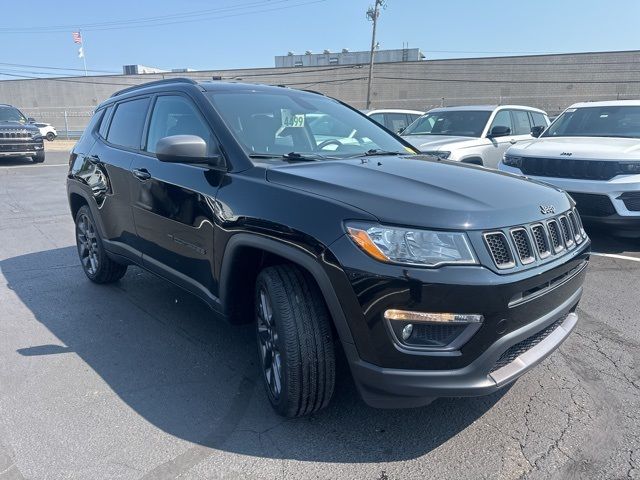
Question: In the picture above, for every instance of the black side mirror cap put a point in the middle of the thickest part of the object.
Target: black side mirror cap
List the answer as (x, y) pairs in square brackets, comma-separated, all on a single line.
[(31, 120), (537, 130), (499, 131), (186, 149)]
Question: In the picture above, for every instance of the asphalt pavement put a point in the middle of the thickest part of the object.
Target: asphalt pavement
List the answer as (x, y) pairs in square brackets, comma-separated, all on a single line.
[(138, 380)]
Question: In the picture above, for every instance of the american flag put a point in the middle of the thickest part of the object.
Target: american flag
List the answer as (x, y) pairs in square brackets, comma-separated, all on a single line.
[(77, 38)]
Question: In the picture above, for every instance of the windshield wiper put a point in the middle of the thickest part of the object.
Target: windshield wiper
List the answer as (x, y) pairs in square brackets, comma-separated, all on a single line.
[(295, 156), (376, 151)]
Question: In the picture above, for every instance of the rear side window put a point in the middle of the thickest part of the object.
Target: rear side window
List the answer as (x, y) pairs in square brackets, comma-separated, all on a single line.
[(378, 117), (127, 123), (104, 124), (538, 119), (521, 125)]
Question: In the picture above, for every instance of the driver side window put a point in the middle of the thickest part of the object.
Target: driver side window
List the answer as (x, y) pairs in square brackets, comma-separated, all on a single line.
[(502, 119), (176, 115)]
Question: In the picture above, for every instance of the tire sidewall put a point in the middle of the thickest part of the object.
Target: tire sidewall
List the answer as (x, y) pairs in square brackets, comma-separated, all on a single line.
[(282, 401), (85, 210)]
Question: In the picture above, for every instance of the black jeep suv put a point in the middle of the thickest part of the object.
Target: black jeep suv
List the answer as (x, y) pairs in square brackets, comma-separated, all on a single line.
[(18, 136), (293, 210)]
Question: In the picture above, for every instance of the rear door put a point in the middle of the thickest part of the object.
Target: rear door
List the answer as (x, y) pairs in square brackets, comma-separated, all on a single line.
[(173, 203), (396, 121), (118, 139)]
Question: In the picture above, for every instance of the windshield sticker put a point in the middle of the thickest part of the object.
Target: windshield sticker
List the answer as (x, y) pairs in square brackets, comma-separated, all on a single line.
[(291, 120)]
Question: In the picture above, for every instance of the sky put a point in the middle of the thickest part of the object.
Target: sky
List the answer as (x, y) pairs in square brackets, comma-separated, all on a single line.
[(224, 34)]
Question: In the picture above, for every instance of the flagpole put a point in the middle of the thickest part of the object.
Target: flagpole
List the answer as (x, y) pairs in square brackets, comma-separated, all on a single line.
[(84, 59)]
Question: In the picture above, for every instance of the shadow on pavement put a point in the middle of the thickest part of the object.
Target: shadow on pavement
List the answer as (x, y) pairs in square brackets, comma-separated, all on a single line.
[(162, 352), (603, 240), (15, 161)]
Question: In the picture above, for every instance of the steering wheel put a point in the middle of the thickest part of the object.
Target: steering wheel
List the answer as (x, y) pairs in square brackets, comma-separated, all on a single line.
[(331, 141)]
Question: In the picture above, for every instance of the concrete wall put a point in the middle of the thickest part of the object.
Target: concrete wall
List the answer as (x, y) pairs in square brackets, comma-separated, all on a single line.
[(550, 82)]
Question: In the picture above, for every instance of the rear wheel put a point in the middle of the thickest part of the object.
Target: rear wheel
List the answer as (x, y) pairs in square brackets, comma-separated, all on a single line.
[(98, 267), (51, 136), (295, 343), (39, 158)]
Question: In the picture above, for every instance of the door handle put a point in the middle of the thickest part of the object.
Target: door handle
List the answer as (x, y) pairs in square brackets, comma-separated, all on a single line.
[(141, 173)]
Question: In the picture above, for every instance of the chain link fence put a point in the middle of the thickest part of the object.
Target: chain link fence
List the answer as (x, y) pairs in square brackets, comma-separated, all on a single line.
[(68, 121)]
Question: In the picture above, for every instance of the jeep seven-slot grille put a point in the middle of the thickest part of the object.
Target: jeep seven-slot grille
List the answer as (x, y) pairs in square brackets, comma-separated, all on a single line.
[(570, 168), (541, 240)]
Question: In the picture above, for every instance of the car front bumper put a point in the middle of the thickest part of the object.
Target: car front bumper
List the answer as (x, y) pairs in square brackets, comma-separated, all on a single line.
[(20, 149), (621, 216), (390, 375)]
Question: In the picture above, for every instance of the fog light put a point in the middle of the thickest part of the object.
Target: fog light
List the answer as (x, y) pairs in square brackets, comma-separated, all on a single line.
[(407, 331), (425, 317)]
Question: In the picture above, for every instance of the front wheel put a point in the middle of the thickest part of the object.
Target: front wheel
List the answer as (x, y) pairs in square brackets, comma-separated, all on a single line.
[(51, 136), (97, 265), (295, 343), (39, 157)]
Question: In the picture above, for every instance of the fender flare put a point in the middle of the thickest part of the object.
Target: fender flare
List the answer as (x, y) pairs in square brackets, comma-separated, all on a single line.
[(297, 255)]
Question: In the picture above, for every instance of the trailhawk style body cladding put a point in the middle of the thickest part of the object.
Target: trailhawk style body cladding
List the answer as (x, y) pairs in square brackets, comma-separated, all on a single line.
[(212, 229), (595, 157)]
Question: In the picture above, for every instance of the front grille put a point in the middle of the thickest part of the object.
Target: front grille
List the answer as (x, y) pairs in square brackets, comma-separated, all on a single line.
[(593, 205), (631, 201), (499, 249), (523, 245), (540, 240), (525, 345), (570, 168), (14, 134)]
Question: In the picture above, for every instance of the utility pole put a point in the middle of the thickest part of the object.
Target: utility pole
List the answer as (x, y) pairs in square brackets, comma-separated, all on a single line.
[(372, 14)]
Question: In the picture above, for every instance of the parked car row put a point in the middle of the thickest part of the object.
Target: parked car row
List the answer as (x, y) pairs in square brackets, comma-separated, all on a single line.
[(592, 150)]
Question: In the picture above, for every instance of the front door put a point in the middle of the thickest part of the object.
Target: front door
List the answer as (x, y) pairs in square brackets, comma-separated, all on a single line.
[(500, 144), (173, 203)]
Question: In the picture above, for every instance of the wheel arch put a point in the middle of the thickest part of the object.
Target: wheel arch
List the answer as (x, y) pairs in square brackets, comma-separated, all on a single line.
[(247, 253)]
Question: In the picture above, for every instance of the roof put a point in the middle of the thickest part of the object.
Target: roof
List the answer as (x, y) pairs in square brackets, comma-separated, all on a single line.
[(610, 103), (485, 108), (392, 110)]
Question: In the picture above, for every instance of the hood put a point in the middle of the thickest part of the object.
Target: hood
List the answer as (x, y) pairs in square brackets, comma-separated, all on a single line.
[(591, 148), (422, 192), (18, 126), (434, 143)]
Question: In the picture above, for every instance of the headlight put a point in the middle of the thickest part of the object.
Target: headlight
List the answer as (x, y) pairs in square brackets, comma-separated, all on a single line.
[(630, 167), (512, 161), (439, 154), (410, 246)]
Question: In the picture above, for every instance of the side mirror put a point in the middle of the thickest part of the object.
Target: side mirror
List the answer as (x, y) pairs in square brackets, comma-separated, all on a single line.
[(499, 131), (186, 149), (400, 130), (537, 130), (31, 120)]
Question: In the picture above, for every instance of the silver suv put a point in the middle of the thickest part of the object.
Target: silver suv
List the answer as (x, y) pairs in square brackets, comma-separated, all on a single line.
[(474, 134)]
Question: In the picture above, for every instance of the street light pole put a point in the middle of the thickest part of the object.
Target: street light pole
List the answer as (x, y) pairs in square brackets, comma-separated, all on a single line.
[(372, 14)]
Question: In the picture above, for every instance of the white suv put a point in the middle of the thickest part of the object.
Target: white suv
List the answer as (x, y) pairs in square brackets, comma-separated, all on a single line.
[(476, 134), (592, 151)]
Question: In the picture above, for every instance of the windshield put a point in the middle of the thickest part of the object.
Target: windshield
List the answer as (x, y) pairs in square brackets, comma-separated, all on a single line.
[(279, 123), (618, 121), (11, 114), (459, 123)]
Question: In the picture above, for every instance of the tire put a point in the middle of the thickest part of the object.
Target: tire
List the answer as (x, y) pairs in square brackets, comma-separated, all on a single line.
[(295, 343), (51, 136), (96, 264), (39, 158)]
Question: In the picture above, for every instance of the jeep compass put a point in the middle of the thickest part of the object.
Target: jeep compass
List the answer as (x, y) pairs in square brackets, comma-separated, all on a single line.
[(434, 278)]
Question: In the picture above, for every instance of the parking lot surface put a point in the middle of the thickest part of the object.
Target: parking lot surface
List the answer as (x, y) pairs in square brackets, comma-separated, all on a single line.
[(138, 380)]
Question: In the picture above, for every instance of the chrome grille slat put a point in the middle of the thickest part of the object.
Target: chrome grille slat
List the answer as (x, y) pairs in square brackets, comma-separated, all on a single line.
[(567, 233), (523, 245), (555, 235), (541, 239), (499, 249)]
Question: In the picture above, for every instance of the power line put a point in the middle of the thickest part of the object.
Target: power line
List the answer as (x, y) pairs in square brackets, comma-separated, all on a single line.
[(199, 16), (56, 68)]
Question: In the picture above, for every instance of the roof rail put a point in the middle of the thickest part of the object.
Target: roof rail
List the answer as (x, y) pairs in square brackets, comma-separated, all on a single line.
[(153, 84)]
